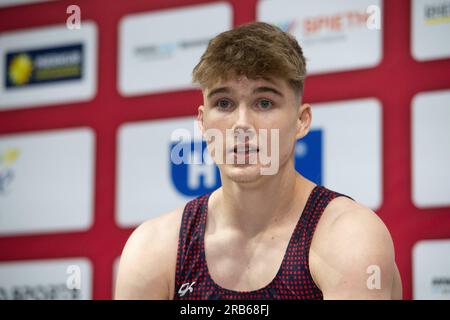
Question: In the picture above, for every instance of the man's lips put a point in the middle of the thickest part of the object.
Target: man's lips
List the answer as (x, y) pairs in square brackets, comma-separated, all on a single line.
[(244, 149)]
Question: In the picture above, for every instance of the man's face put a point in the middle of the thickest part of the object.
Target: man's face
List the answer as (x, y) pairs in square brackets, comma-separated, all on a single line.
[(249, 114)]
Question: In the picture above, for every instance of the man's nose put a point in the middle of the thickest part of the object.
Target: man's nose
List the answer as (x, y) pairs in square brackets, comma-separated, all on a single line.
[(244, 122)]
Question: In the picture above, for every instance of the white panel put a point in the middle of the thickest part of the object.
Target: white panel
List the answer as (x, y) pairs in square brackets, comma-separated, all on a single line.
[(430, 29), (158, 50), (431, 270), (144, 187), (431, 149), (352, 146), (46, 181), (58, 279), (56, 92), (334, 35)]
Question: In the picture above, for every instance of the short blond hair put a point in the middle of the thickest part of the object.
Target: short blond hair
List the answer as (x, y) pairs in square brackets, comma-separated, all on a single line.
[(256, 50)]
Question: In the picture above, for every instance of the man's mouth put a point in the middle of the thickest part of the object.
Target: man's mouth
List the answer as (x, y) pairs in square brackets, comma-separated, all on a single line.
[(245, 149)]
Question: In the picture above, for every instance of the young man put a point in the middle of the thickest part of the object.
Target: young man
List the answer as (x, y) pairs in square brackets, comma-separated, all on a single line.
[(259, 236)]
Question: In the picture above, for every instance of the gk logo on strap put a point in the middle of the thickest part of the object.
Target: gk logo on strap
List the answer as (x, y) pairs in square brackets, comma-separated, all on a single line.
[(185, 288)]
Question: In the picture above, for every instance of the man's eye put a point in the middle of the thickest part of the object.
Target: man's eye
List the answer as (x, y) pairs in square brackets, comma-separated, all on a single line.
[(265, 104), (223, 104)]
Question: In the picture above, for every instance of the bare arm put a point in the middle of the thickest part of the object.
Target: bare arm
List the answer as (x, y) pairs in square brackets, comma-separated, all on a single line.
[(354, 258), (148, 260)]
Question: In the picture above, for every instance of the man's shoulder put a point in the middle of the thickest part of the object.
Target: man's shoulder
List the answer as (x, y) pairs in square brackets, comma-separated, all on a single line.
[(163, 226), (344, 218), (350, 241), (155, 238), (148, 260), (344, 212), (349, 238)]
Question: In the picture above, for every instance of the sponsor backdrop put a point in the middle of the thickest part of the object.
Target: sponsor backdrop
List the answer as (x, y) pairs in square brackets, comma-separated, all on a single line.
[(87, 117)]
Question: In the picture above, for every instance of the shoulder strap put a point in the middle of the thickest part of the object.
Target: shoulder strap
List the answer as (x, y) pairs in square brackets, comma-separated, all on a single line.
[(190, 238)]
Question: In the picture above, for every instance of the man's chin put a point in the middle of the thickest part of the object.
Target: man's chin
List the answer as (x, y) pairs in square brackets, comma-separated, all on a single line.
[(243, 173)]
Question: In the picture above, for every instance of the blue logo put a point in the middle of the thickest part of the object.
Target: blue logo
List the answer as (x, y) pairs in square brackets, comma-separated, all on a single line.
[(309, 156), (196, 176)]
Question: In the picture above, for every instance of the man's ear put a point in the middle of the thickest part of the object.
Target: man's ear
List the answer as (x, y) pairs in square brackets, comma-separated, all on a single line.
[(200, 119), (304, 119)]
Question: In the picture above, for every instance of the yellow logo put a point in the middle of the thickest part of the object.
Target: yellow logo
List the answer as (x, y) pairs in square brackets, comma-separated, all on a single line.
[(9, 156), (20, 69)]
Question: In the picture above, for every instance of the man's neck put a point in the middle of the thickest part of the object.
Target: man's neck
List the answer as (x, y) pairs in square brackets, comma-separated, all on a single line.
[(254, 209)]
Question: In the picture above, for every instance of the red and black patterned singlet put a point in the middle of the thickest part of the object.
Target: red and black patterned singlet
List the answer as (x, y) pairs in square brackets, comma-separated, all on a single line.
[(293, 280)]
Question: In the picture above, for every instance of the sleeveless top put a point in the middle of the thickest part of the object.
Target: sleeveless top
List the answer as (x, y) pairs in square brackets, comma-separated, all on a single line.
[(293, 279)]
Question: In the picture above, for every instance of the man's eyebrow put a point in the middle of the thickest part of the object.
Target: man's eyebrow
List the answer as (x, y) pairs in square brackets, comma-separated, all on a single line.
[(257, 90), (217, 91), (268, 89)]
